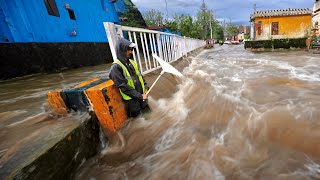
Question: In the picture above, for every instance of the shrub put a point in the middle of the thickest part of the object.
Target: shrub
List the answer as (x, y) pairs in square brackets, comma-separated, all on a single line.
[(277, 43)]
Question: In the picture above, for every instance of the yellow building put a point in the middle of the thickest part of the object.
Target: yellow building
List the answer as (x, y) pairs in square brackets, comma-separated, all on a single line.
[(280, 24)]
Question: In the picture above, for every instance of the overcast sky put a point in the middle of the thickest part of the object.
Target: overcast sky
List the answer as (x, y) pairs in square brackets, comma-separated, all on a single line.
[(238, 11)]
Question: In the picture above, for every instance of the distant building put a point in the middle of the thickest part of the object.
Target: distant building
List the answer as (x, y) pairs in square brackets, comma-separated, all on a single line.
[(316, 12), (316, 17), (278, 24), (243, 29)]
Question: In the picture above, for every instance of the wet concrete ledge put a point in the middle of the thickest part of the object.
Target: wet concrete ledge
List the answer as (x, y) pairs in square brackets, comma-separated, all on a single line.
[(59, 157), (55, 156)]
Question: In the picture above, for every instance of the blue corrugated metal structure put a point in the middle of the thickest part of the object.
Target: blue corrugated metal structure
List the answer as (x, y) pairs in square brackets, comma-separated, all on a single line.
[(43, 36), (72, 20), (120, 6)]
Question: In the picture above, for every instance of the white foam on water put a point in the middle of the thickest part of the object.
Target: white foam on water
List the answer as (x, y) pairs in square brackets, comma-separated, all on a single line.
[(310, 170), (220, 138), (204, 169), (236, 78), (23, 97), (26, 119), (313, 170), (115, 148), (177, 111), (295, 72)]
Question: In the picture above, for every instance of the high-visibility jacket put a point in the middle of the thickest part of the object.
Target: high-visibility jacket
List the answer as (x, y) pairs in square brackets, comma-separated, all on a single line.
[(129, 78)]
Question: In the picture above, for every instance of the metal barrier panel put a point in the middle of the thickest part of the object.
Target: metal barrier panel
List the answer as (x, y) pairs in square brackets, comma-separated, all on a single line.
[(168, 47)]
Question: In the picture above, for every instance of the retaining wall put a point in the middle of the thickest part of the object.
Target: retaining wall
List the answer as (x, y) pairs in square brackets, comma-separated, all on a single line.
[(20, 59)]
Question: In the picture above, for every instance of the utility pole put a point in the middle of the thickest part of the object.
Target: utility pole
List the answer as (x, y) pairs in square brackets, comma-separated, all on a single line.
[(167, 10), (203, 19), (224, 29), (210, 23), (253, 26)]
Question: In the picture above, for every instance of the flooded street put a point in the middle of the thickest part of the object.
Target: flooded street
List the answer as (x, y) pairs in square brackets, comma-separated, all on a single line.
[(26, 119), (236, 114)]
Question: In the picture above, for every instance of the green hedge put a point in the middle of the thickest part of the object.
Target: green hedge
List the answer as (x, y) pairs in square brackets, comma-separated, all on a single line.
[(277, 43)]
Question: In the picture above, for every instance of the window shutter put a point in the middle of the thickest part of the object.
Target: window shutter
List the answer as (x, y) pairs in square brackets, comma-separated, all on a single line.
[(259, 28), (275, 28)]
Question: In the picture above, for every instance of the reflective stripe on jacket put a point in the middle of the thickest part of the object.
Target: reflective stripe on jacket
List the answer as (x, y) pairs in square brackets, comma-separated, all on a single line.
[(129, 78)]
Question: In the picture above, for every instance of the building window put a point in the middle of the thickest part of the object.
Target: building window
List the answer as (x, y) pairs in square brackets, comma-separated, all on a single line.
[(71, 14), (52, 7), (70, 11), (275, 28), (259, 28)]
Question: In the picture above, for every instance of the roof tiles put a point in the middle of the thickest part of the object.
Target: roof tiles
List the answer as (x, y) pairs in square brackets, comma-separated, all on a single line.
[(280, 12)]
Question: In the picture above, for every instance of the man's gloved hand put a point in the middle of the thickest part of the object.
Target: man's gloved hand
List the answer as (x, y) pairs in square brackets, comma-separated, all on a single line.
[(144, 96)]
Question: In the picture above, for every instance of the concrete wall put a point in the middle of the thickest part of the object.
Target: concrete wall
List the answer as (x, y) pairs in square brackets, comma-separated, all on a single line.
[(316, 18), (20, 59), (289, 27), (316, 13)]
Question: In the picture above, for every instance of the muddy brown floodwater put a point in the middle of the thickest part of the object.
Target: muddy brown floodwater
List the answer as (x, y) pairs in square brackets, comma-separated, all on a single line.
[(234, 115)]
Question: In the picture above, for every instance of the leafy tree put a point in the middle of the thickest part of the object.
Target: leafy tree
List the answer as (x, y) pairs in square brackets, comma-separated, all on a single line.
[(172, 25), (134, 18), (203, 18), (177, 20), (198, 27), (186, 25), (247, 36), (232, 31), (206, 21), (196, 30), (153, 18), (132, 15), (218, 31)]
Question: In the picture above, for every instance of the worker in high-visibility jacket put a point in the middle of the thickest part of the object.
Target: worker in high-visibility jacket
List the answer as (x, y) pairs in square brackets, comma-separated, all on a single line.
[(127, 77)]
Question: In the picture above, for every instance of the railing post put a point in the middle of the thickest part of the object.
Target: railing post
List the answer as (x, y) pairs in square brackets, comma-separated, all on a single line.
[(159, 46), (138, 51), (112, 38), (119, 32), (185, 46), (170, 46)]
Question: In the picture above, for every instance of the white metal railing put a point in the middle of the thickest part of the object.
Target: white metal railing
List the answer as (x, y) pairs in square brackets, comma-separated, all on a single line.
[(168, 47)]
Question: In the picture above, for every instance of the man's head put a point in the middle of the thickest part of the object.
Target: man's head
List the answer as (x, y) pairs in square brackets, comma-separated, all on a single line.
[(130, 49), (124, 49)]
